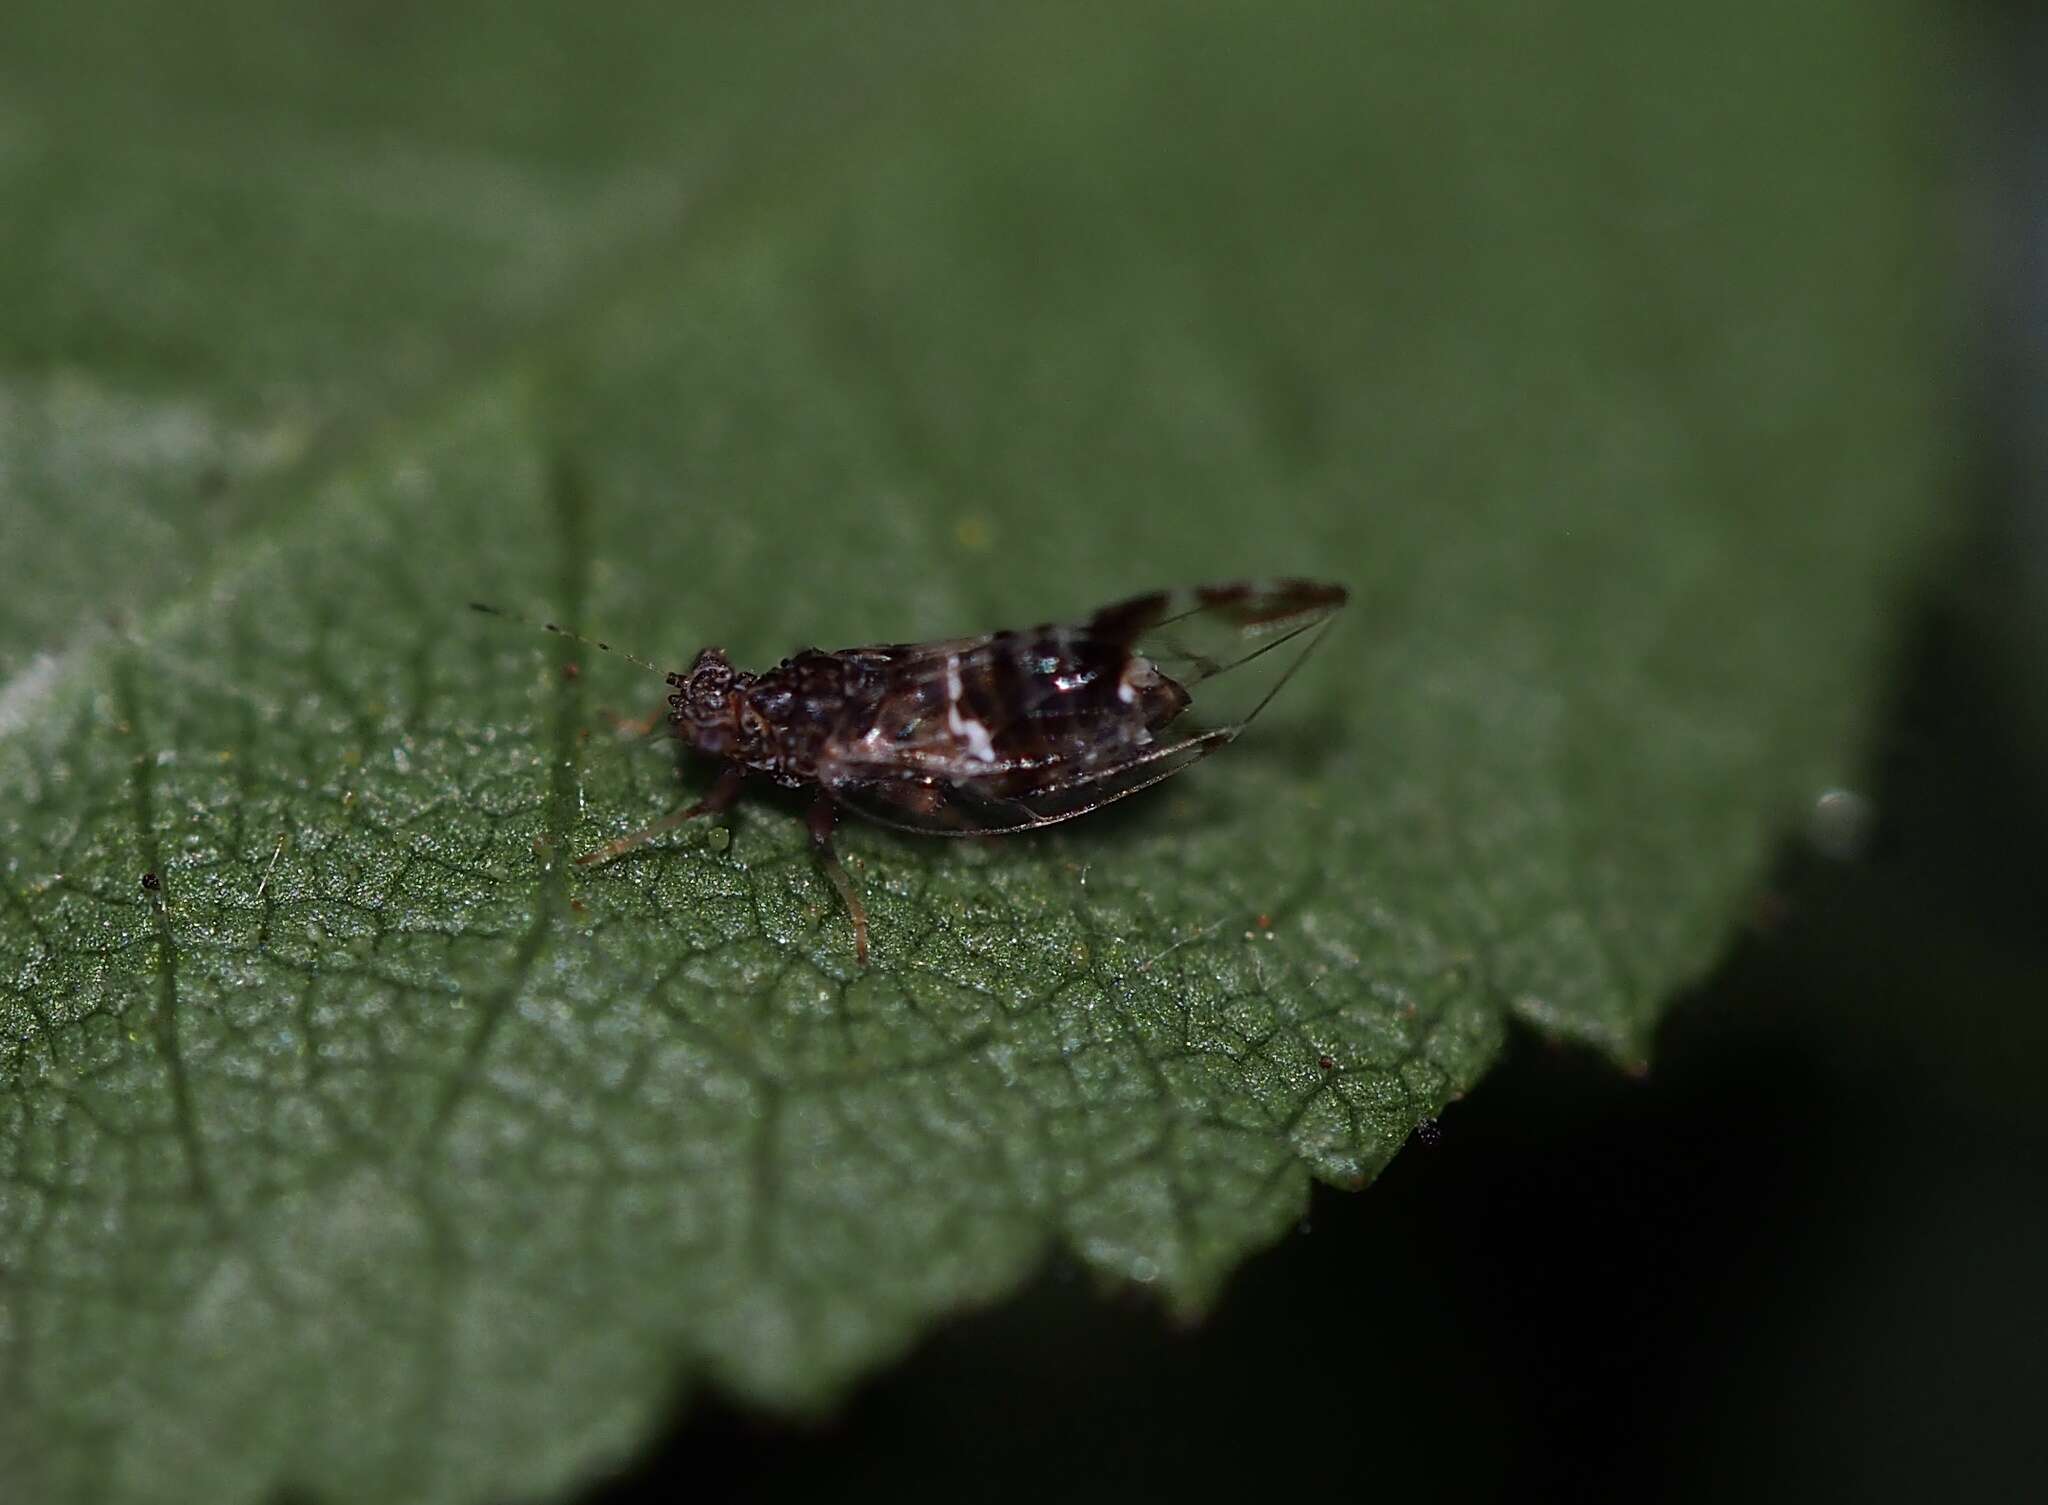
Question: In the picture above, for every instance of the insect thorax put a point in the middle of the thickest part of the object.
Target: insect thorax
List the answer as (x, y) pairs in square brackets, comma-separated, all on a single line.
[(776, 721)]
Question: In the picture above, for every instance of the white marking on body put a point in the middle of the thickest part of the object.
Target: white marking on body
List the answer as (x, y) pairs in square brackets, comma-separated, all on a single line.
[(1137, 671), (980, 746)]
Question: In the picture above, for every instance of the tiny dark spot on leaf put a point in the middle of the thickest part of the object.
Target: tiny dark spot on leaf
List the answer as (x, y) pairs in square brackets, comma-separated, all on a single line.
[(151, 883)]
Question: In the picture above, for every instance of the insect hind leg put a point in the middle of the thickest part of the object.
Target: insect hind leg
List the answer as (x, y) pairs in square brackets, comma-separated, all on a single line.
[(717, 802), (633, 728)]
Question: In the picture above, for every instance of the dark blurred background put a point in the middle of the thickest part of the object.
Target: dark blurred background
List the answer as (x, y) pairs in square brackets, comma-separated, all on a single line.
[(1803, 1257)]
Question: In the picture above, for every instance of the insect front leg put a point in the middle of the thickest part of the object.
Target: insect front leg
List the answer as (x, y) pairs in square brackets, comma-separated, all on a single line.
[(717, 802), (822, 818), (632, 728)]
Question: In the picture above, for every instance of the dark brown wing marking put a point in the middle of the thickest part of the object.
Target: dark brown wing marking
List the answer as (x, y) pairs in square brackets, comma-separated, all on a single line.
[(1003, 708)]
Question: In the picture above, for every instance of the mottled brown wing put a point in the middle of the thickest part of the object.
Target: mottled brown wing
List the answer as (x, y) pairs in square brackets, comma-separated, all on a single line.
[(1059, 751), (1189, 635), (1207, 627)]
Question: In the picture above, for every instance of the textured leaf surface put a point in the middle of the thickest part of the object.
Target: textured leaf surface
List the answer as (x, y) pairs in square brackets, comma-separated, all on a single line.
[(383, 1153)]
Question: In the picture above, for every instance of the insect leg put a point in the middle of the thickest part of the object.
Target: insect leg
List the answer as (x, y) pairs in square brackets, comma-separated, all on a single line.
[(717, 802), (633, 727), (823, 815)]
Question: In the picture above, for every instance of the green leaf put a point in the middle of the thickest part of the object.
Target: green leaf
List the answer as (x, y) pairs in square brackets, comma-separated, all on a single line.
[(380, 1151)]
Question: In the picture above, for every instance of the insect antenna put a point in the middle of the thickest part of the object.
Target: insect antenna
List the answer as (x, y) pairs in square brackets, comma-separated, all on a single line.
[(627, 727), (573, 636)]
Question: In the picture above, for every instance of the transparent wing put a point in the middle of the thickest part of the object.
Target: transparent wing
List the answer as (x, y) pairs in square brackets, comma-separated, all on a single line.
[(1196, 635), (977, 808)]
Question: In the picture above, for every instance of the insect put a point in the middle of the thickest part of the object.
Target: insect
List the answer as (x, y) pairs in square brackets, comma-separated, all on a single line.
[(1009, 731)]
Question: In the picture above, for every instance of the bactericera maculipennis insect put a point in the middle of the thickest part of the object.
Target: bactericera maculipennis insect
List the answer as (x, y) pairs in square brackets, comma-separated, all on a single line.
[(1008, 731)]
